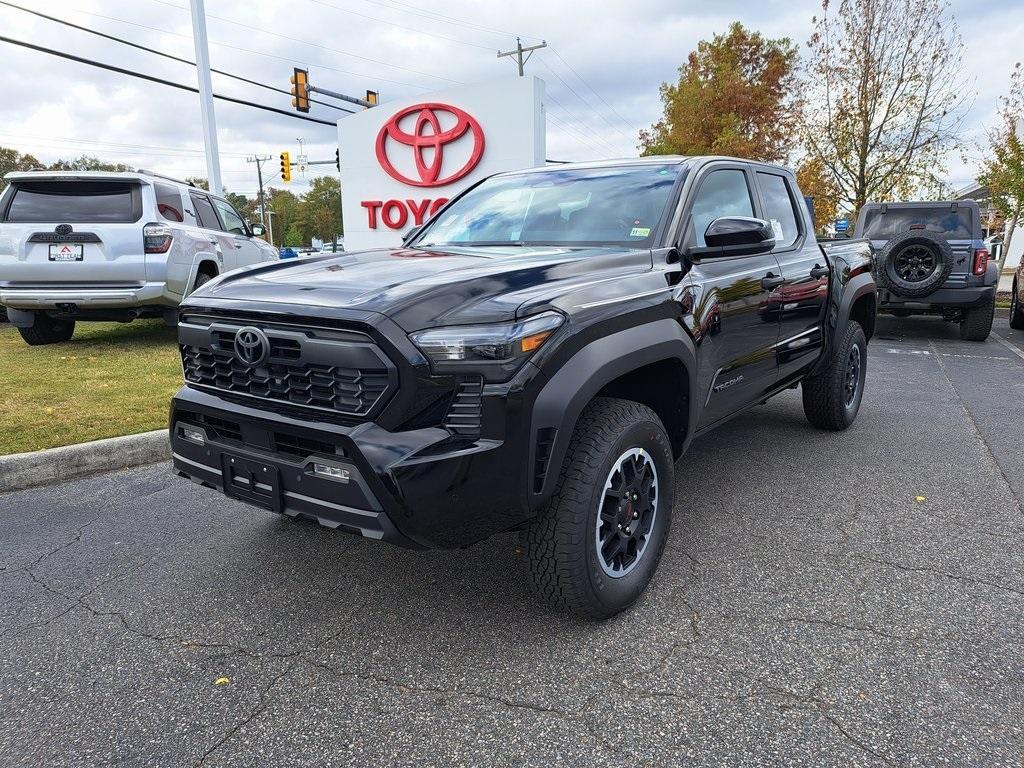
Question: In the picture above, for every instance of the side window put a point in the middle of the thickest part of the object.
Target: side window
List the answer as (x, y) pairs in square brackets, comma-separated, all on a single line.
[(168, 202), (232, 221), (778, 208), (205, 213), (722, 193)]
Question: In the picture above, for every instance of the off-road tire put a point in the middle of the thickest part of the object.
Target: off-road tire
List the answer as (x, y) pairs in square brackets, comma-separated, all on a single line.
[(977, 322), (825, 394), (1016, 309), (202, 279), (560, 542), (47, 330), (888, 258)]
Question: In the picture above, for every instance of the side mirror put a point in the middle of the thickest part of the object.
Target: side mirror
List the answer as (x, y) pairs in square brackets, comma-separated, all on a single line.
[(257, 230), (735, 236)]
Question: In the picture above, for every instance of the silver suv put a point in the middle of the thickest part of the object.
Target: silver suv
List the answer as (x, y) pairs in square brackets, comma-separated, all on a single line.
[(111, 246)]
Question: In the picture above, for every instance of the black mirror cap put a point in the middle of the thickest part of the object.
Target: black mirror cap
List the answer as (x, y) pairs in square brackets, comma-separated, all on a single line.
[(738, 230)]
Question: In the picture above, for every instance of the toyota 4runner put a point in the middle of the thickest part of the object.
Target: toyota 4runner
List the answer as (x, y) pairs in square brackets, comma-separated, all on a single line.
[(111, 246), (535, 358)]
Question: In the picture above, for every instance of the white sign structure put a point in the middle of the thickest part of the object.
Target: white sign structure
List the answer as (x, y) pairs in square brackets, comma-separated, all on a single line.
[(402, 160)]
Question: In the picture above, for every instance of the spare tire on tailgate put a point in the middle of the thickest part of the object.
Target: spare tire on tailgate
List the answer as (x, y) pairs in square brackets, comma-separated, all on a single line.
[(914, 263)]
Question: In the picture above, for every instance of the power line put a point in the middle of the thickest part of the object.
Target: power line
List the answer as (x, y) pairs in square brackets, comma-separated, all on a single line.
[(592, 89), (161, 53), (220, 44), (160, 80)]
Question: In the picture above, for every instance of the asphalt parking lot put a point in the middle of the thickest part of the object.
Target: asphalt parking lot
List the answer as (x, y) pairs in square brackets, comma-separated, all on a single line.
[(825, 599)]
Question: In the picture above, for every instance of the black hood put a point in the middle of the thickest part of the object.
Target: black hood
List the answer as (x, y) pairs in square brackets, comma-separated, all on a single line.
[(424, 288)]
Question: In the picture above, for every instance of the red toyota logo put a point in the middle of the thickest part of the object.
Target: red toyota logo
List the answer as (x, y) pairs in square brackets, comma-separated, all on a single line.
[(428, 135)]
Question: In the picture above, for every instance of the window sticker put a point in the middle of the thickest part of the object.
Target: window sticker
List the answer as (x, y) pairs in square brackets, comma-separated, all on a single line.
[(640, 232), (777, 228)]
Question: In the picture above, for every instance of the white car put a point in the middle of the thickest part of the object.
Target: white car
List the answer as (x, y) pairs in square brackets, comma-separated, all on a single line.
[(111, 246)]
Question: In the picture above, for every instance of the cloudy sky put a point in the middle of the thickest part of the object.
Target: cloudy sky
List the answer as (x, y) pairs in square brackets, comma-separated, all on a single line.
[(602, 68)]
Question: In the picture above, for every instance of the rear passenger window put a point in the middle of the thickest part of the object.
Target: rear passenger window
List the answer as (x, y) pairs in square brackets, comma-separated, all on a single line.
[(722, 193), (778, 208), (168, 202), (205, 213)]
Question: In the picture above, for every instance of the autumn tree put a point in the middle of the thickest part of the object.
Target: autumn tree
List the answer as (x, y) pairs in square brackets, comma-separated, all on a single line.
[(1003, 170), (322, 208), (13, 160), (814, 181), (736, 95), (885, 96)]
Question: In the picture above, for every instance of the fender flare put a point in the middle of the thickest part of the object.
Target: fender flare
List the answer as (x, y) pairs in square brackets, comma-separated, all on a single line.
[(566, 393), (859, 286)]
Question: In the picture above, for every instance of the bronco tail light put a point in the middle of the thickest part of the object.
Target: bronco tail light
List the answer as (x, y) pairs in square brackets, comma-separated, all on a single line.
[(980, 261), (157, 238)]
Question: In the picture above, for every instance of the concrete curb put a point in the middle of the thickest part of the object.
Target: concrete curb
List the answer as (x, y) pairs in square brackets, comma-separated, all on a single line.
[(55, 465)]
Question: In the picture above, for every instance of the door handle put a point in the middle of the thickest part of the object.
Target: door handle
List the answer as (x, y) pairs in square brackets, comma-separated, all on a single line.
[(238, 245), (770, 281), (819, 272)]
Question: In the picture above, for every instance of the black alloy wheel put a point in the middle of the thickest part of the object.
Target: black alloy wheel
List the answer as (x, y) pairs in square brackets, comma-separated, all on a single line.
[(914, 263), (627, 512)]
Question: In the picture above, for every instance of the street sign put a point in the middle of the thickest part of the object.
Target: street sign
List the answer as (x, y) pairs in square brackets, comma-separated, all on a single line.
[(842, 225)]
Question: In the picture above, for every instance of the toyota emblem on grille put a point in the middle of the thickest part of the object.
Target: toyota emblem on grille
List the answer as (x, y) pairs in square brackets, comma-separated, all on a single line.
[(63, 230), (251, 345)]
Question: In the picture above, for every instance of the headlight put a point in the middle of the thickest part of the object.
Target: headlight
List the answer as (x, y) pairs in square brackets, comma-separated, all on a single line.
[(502, 346)]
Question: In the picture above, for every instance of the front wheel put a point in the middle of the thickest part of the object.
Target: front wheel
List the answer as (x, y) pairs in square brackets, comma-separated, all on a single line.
[(977, 322), (832, 398), (595, 546)]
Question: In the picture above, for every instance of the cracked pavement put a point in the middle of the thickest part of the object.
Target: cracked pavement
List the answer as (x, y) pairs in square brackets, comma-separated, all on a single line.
[(809, 610)]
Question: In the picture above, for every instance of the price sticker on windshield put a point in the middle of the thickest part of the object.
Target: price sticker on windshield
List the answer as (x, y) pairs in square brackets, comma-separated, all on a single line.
[(640, 232)]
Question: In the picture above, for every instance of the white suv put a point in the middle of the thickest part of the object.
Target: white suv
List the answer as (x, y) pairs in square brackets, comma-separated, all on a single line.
[(111, 246)]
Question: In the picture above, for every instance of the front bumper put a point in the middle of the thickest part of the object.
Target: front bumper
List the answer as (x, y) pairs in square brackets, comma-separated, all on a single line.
[(409, 488), (92, 297), (944, 297)]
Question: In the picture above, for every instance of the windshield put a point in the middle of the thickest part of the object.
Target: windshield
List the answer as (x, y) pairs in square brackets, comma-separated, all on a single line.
[(618, 206), (954, 223)]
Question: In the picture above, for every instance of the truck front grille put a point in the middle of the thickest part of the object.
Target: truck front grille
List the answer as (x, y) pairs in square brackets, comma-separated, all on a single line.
[(342, 372)]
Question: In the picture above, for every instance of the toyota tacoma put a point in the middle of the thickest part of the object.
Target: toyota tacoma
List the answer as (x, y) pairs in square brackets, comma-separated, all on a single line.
[(536, 357)]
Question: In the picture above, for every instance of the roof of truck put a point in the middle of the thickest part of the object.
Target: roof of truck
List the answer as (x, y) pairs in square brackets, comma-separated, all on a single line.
[(647, 160), (92, 175)]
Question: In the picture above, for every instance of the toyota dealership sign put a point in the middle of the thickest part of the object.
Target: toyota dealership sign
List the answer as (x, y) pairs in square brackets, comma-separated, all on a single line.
[(401, 161)]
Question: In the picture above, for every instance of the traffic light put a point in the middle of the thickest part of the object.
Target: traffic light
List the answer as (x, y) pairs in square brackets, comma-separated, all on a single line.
[(300, 90), (286, 167), (371, 96), (337, 159)]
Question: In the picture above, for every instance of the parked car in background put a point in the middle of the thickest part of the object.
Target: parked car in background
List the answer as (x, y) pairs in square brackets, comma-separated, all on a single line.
[(333, 247), (287, 252), (536, 357), (930, 260), (1017, 299), (111, 246)]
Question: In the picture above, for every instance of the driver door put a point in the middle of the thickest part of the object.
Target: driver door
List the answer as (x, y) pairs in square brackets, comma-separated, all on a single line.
[(244, 250), (734, 327)]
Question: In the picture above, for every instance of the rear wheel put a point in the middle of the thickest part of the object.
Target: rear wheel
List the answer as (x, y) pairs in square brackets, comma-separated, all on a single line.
[(1016, 309), (595, 546), (47, 330), (832, 398), (202, 279), (977, 322)]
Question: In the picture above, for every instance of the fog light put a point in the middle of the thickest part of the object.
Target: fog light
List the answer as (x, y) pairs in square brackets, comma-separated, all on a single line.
[(193, 434), (335, 473)]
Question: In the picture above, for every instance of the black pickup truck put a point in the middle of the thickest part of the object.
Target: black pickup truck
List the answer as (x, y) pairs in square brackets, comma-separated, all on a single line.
[(536, 358)]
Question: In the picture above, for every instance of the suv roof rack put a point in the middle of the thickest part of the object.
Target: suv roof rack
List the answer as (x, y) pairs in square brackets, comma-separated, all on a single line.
[(169, 178)]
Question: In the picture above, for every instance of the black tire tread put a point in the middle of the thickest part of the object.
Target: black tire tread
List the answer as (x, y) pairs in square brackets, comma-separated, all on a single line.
[(822, 394), (47, 330), (557, 557), (1017, 310), (977, 322)]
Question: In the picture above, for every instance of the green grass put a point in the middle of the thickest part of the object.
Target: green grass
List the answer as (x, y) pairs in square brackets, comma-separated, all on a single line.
[(109, 380)]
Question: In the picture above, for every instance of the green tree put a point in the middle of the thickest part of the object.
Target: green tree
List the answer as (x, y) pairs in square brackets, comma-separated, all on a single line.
[(736, 95), (885, 96), (293, 236), (88, 163), (12, 160), (321, 209), (1003, 170), (286, 210)]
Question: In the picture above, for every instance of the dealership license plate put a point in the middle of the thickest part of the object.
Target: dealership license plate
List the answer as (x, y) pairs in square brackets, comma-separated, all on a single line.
[(66, 252)]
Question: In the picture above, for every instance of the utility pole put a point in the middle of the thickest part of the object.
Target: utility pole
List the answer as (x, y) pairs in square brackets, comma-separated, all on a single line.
[(520, 50), (259, 160), (206, 95)]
